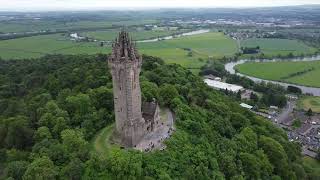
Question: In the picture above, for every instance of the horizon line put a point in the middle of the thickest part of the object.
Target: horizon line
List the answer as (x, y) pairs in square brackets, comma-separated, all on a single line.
[(132, 8)]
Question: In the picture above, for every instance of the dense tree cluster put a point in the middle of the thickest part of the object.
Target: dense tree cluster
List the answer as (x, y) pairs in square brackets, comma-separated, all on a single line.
[(250, 50), (53, 106), (272, 94), (215, 68)]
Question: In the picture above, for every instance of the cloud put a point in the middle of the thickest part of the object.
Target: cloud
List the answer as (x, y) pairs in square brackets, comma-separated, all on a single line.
[(20, 5)]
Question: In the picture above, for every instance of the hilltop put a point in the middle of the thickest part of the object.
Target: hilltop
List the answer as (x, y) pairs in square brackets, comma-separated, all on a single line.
[(53, 106)]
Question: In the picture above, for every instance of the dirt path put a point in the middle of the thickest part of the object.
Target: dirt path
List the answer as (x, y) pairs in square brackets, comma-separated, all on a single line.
[(101, 142)]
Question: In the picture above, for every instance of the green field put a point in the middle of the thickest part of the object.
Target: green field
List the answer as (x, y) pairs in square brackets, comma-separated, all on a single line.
[(303, 73), (37, 25), (136, 35), (203, 46), (274, 47), (37, 46), (310, 102)]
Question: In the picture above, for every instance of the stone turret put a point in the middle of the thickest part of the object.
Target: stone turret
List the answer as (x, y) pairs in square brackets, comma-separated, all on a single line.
[(125, 65)]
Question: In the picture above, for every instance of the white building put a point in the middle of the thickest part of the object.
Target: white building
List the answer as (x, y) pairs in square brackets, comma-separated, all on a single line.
[(274, 107), (247, 106), (222, 85)]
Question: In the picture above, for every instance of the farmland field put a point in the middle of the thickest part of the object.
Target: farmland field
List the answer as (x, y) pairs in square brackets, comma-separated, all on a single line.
[(202, 46), (303, 73), (274, 47), (37, 25), (136, 35), (310, 102), (177, 50), (37, 46)]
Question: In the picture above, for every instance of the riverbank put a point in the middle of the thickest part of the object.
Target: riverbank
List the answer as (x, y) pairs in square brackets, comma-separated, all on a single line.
[(230, 67), (202, 31)]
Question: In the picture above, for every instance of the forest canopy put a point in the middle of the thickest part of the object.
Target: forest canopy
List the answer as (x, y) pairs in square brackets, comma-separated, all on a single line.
[(52, 107)]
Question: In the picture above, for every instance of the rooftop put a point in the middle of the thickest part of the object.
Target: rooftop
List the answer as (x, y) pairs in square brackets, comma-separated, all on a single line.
[(223, 85), (246, 106), (124, 47)]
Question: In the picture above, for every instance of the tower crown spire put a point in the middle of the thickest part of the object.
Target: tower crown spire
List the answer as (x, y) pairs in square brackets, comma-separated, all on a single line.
[(124, 48)]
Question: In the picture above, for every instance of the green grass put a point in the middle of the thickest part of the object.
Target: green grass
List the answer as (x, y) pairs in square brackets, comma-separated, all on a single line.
[(282, 71), (203, 46), (37, 25), (273, 47), (308, 102), (136, 35), (100, 142), (37, 46), (312, 164)]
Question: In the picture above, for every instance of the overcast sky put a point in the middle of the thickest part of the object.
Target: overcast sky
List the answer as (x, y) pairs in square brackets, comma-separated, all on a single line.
[(43, 5)]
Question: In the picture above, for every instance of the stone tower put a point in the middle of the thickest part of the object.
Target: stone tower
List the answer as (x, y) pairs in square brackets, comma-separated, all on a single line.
[(125, 65)]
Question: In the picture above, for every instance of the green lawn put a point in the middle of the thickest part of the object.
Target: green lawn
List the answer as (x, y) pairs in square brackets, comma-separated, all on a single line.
[(273, 47), (284, 71), (308, 102), (203, 46)]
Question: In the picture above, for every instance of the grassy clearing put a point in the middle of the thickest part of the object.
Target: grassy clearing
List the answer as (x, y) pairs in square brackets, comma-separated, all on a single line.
[(275, 47), (284, 71), (312, 164), (101, 144), (308, 102)]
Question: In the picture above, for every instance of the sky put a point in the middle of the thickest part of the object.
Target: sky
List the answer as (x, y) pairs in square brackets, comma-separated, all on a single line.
[(54, 5)]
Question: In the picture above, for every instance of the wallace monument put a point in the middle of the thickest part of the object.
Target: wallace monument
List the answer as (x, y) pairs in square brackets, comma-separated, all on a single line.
[(136, 123)]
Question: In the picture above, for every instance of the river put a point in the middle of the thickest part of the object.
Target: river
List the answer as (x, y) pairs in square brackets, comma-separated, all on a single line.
[(176, 36), (305, 89), (201, 31)]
